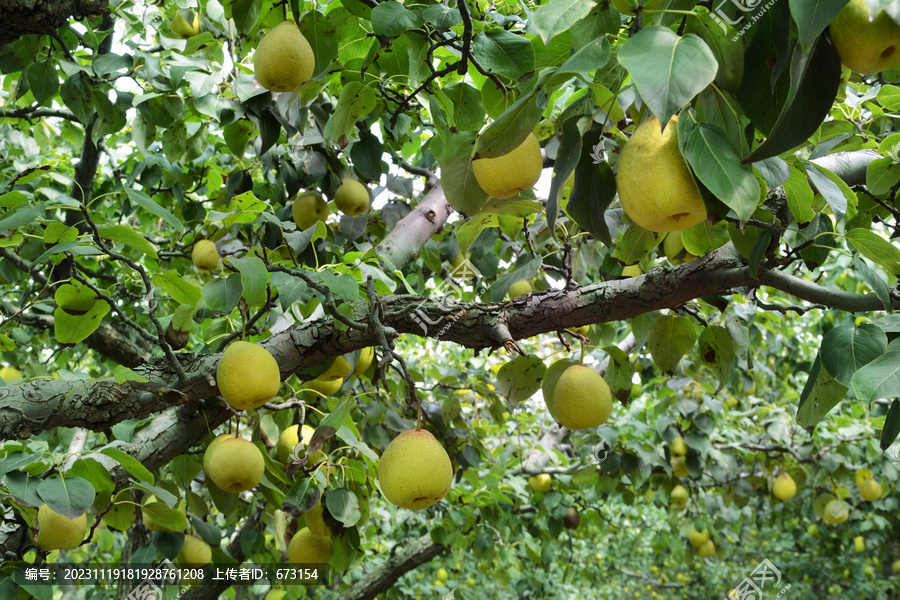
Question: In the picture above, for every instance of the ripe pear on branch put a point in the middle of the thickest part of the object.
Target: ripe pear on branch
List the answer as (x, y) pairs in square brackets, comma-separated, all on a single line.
[(283, 59), (414, 471)]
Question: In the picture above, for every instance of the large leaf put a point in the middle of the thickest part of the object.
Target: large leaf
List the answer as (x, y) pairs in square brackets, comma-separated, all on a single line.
[(557, 16), (254, 278), (668, 70), (879, 378), (504, 53), (820, 394), (670, 337), (392, 19), (69, 496), (717, 351), (813, 16), (457, 178), (876, 248), (147, 203), (124, 234), (891, 425), (520, 378), (510, 129), (355, 102), (846, 349)]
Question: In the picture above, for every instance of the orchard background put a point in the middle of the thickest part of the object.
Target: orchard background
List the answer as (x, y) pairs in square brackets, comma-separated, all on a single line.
[(773, 351)]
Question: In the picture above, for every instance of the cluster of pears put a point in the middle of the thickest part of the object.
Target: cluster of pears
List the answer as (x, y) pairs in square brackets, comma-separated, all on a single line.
[(352, 198), (540, 483), (655, 184), (329, 382), (678, 450), (577, 397), (283, 59), (863, 43), (509, 174), (415, 471), (312, 544), (698, 536)]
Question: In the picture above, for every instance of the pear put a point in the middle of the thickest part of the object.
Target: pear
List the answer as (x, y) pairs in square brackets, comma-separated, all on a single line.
[(307, 548), (836, 512), (673, 246), (332, 379), (442, 574), (895, 566), (247, 375), (235, 465), (859, 544), (414, 471), (218, 440), (551, 378), (352, 197), (315, 523), (308, 209), (698, 538), (59, 532), (813, 531), (864, 44), (581, 399), (180, 26), (366, 355), (540, 483), (679, 466), (290, 437), (283, 59), (519, 288), (10, 374), (679, 495), (870, 490), (655, 185), (153, 525), (194, 552), (631, 270), (678, 447), (204, 255), (507, 175), (276, 595), (784, 487), (323, 387), (571, 519), (706, 550)]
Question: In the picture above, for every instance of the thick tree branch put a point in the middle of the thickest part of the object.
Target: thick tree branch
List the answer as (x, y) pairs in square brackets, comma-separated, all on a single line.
[(23, 17), (387, 573)]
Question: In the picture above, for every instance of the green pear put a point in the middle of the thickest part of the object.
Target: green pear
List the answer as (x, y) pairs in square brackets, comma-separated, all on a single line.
[(679, 495), (551, 378), (235, 465), (865, 45), (581, 398), (870, 490), (836, 512), (365, 359), (283, 59), (316, 523), (505, 176), (194, 552), (181, 27), (678, 447), (414, 471), (352, 197), (10, 374), (655, 185), (442, 574), (784, 487), (204, 255), (519, 288), (59, 532), (290, 437), (323, 387), (540, 482), (309, 208), (859, 544), (332, 379), (307, 548), (247, 375), (813, 531), (698, 538), (707, 550)]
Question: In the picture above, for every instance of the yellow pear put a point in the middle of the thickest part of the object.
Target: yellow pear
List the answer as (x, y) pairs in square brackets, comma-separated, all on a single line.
[(581, 399), (895, 566), (180, 26), (631, 271), (283, 59), (352, 197), (315, 523), (859, 544), (414, 471), (678, 447), (323, 387), (365, 359), (152, 524), (218, 440), (442, 574), (540, 482), (627, 8), (836, 512), (865, 45), (194, 552), (307, 548), (551, 378), (784, 487), (10, 374), (290, 437), (679, 495), (276, 595), (706, 550), (673, 246), (332, 379), (679, 466), (698, 538), (870, 490), (235, 465), (655, 185), (59, 532), (308, 208), (519, 288), (247, 375), (204, 255), (507, 175)]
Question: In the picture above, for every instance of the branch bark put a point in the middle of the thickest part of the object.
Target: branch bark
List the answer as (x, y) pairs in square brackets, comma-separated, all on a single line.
[(44, 17), (387, 573)]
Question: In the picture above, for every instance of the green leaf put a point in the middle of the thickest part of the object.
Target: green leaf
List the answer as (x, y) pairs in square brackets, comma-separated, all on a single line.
[(504, 53), (520, 378), (875, 248), (510, 129), (468, 113), (124, 234), (557, 16), (882, 175), (92, 471), (392, 18), (22, 216), (355, 102), (799, 196), (878, 379), (180, 289), (43, 80), (875, 280), (704, 237), (635, 244), (254, 278), (244, 13), (593, 192), (457, 178), (123, 374), (130, 464), (343, 505), (717, 164), (891, 426), (717, 351), (69, 496), (670, 337), (846, 349), (587, 58), (147, 203), (812, 17), (500, 287), (78, 315), (820, 394), (837, 193), (668, 70), (618, 373), (322, 38), (175, 141)]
